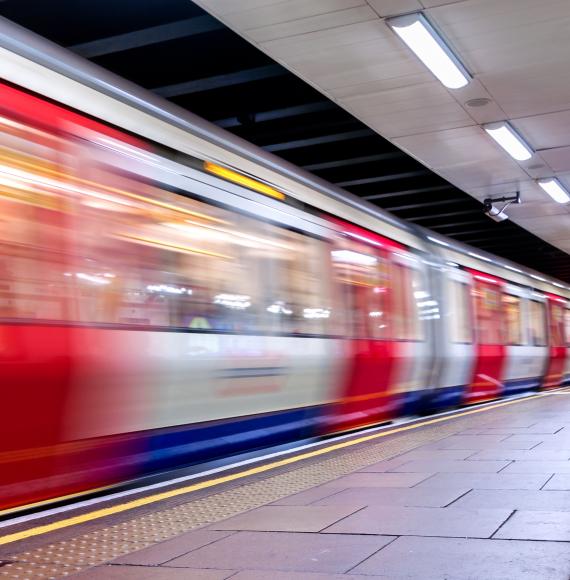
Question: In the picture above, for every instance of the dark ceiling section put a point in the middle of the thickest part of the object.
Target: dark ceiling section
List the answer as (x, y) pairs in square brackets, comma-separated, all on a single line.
[(177, 50)]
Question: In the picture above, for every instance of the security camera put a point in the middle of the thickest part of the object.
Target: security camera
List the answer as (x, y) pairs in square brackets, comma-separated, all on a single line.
[(495, 213)]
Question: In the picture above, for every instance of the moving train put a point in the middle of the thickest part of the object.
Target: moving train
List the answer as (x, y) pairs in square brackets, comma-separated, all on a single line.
[(170, 294)]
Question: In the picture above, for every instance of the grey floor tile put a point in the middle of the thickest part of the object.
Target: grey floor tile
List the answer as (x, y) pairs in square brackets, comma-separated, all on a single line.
[(459, 559), (285, 551), (559, 482), (534, 430), (378, 480), (383, 466), (538, 467), (451, 466), (474, 442), (486, 480), (515, 499), (400, 496), (164, 551), (417, 521), (536, 454), (307, 497), (277, 518), (262, 575), (423, 453), (151, 573), (537, 525)]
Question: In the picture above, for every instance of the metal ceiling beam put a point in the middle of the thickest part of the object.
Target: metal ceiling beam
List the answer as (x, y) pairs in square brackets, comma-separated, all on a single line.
[(426, 204), (278, 114), (354, 161), (407, 192), (455, 224), (440, 215), (318, 140), (220, 81), (147, 36), (380, 178)]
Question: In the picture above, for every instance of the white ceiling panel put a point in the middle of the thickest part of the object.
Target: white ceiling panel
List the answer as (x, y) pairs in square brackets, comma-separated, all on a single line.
[(311, 24), (544, 131), (393, 7), (291, 11), (558, 159)]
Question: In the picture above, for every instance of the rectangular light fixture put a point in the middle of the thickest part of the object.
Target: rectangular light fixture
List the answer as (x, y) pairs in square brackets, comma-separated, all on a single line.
[(421, 37), (509, 140), (554, 189)]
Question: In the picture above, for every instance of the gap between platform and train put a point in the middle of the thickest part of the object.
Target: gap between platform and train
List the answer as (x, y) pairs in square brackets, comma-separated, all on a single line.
[(323, 447)]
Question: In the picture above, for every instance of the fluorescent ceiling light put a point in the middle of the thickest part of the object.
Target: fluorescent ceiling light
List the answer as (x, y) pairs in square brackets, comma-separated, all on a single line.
[(509, 140), (554, 189), (416, 31)]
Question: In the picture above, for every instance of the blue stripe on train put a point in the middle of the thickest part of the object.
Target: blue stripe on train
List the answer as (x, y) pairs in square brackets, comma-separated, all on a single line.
[(204, 442), (447, 397), (518, 386)]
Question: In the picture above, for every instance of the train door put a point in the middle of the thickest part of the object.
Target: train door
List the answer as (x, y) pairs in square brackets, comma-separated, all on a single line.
[(457, 349), (413, 307), (525, 339), (361, 272), (556, 341), (566, 378), (490, 357)]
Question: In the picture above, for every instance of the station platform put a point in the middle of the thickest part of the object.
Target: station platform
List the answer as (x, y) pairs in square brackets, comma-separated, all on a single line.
[(480, 493)]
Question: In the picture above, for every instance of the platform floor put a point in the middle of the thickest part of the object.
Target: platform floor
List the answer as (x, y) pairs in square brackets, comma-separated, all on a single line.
[(481, 494)]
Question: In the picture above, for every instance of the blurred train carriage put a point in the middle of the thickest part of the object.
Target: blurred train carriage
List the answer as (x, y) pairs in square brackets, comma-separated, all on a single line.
[(160, 308)]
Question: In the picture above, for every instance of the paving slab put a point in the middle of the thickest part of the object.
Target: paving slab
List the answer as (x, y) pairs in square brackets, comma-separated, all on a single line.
[(459, 559), (418, 521), (277, 518), (451, 466), (469, 442), (383, 466), (536, 454), (515, 499), (559, 482), (537, 525), (487, 480), (151, 573), (378, 480), (423, 453), (262, 575), (285, 551), (169, 549), (309, 496), (400, 496), (538, 467)]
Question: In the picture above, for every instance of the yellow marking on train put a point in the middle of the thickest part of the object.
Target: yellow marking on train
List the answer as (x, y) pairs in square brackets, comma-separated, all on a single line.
[(143, 501)]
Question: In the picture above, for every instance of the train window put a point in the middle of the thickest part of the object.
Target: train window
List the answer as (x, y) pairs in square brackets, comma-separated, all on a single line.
[(537, 326), (556, 324), (32, 260), (512, 310), (460, 313), (405, 290), (489, 319), (362, 277)]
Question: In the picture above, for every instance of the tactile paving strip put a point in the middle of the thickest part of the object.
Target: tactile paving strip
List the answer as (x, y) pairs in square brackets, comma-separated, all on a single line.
[(97, 547)]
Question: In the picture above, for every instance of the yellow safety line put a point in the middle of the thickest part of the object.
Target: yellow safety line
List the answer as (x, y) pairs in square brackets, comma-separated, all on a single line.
[(119, 508)]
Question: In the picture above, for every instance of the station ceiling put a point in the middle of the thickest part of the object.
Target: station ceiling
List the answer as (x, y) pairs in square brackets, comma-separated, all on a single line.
[(180, 52)]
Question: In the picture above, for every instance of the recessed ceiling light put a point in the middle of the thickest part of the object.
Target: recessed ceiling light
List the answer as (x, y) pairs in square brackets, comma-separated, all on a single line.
[(554, 189), (421, 37), (509, 140), (478, 102)]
